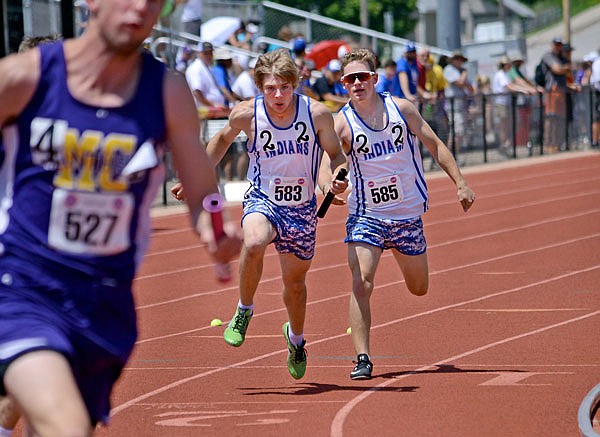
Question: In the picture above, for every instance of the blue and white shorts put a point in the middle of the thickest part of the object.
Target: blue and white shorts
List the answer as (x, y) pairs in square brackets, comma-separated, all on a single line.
[(296, 226), (406, 236)]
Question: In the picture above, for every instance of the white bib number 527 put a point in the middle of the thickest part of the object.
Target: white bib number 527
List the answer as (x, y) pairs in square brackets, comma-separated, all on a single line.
[(90, 223), (383, 190)]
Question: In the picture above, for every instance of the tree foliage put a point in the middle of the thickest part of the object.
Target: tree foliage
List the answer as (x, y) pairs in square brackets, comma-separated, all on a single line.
[(404, 12)]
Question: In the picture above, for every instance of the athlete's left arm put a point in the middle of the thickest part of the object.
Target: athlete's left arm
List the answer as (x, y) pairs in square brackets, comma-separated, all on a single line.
[(438, 151), (330, 143), (194, 168)]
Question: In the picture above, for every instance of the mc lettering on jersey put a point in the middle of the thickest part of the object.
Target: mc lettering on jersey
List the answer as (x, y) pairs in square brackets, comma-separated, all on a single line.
[(88, 160)]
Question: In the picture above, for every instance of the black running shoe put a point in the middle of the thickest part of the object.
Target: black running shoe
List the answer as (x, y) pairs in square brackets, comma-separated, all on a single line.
[(363, 368)]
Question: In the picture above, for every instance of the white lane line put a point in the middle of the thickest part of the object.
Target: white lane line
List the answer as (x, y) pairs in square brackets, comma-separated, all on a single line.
[(389, 284), (182, 381), (337, 425)]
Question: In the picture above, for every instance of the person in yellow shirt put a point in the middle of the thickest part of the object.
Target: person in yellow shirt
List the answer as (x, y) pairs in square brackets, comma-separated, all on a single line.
[(433, 106)]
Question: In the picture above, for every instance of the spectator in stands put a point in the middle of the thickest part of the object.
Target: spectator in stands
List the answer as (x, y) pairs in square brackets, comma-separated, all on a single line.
[(329, 88), (556, 88), (298, 48), (524, 99), (191, 17), (573, 104), (185, 57), (482, 89), (284, 34), (502, 87), (388, 81), (305, 67), (82, 15), (433, 110), (516, 75), (222, 72), (203, 84), (29, 42), (241, 38), (408, 73), (457, 91), (245, 87)]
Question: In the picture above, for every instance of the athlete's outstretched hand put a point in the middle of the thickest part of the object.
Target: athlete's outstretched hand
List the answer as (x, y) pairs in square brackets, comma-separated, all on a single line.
[(466, 197), (177, 192)]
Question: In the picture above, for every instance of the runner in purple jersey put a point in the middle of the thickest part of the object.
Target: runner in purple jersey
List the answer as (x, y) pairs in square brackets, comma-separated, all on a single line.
[(84, 126)]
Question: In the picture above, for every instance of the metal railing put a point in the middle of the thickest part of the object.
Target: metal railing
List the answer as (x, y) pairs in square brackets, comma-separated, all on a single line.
[(487, 128), (316, 28)]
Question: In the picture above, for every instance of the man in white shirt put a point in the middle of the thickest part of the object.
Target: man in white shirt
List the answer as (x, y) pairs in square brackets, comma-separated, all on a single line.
[(191, 17), (457, 91), (244, 85), (201, 81)]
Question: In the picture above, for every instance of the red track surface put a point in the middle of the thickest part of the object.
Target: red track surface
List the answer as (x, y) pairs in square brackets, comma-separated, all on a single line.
[(504, 344)]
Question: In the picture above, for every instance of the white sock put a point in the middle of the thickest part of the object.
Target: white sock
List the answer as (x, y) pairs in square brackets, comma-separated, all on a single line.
[(296, 340), (246, 307), (5, 432)]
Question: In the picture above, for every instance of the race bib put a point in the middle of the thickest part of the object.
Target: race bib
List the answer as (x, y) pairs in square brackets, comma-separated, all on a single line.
[(90, 223), (288, 191), (384, 190)]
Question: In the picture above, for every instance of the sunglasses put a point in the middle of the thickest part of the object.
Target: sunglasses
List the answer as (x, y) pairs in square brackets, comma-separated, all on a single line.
[(362, 76)]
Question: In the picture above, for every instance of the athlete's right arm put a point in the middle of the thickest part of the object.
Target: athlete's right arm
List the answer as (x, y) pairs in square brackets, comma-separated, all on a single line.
[(240, 119), (19, 76)]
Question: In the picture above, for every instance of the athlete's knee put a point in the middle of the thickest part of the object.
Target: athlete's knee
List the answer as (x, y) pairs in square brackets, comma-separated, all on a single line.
[(363, 288), (58, 424), (418, 289), (254, 245)]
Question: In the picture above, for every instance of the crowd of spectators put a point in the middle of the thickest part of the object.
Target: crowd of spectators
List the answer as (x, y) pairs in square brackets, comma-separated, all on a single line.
[(441, 88)]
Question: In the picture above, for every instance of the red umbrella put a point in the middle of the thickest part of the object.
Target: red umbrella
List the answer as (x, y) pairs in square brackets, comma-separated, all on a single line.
[(324, 51)]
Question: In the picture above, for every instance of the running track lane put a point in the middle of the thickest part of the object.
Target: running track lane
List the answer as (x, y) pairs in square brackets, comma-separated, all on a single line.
[(500, 345)]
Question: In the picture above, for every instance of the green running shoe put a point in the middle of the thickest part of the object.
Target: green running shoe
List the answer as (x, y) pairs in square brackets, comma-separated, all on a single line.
[(235, 333), (296, 359)]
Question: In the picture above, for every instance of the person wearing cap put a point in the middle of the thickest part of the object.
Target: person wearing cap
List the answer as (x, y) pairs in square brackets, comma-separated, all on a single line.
[(524, 99), (582, 76), (558, 68), (503, 88), (298, 48), (329, 88), (457, 91), (203, 84), (408, 73), (222, 70), (516, 75)]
